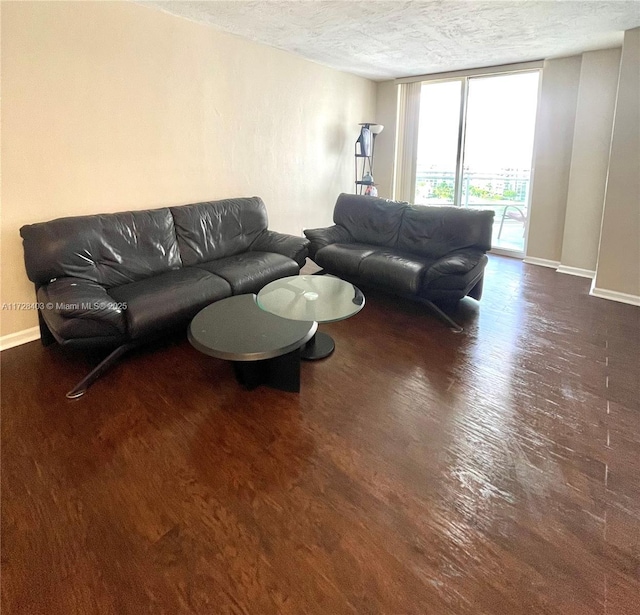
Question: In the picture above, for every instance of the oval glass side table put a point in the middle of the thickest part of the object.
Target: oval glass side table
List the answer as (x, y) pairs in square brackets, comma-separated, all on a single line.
[(323, 298)]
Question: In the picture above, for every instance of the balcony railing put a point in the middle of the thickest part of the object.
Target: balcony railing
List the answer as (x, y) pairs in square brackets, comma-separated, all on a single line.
[(478, 190), (507, 195)]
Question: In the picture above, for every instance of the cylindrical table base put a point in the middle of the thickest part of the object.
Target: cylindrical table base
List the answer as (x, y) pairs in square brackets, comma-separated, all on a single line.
[(319, 346)]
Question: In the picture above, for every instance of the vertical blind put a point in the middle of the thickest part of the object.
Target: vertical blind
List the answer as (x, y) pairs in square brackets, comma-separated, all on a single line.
[(407, 151)]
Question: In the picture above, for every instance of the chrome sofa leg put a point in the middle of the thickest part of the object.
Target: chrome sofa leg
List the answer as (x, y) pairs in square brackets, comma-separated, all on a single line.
[(455, 327), (80, 389)]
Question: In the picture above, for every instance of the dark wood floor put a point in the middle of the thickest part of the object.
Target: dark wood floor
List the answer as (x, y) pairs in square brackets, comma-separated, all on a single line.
[(417, 472)]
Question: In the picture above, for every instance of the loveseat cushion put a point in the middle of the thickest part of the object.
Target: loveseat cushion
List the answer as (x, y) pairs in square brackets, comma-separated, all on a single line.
[(215, 229), (436, 231), (455, 281), (399, 272), (455, 263), (168, 299), (109, 249), (250, 271), (322, 237), (344, 258), (369, 220)]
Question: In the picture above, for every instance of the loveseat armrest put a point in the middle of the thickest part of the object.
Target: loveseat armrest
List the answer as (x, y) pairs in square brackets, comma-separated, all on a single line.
[(459, 262), (322, 237), (294, 247), (78, 298)]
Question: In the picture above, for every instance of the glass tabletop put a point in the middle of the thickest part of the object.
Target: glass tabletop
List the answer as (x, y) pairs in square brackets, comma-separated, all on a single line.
[(323, 298)]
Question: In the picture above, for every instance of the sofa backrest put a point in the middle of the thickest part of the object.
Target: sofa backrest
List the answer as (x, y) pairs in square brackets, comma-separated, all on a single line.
[(436, 231), (110, 249), (369, 219), (214, 229)]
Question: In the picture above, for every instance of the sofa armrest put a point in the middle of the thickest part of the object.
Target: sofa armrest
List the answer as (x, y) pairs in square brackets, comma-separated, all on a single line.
[(322, 237), (458, 262), (294, 247), (79, 298)]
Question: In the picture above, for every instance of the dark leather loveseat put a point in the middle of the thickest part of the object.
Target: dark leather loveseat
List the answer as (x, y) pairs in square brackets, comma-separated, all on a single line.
[(434, 254), (116, 280)]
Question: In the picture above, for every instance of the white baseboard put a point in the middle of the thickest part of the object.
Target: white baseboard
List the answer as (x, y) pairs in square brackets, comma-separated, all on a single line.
[(614, 295), (18, 338), (542, 262), (581, 273)]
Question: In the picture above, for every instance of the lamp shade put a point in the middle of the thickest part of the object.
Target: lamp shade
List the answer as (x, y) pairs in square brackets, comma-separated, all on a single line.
[(375, 129)]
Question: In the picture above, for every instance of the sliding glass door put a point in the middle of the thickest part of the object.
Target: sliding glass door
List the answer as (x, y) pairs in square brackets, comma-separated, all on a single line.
[(475, 149)]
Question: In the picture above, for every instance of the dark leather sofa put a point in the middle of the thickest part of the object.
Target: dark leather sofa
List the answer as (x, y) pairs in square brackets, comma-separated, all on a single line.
[(434, 254), (117, 280)]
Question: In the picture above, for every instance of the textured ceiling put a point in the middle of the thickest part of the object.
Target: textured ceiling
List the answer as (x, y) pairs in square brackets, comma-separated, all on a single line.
[(381, 39)]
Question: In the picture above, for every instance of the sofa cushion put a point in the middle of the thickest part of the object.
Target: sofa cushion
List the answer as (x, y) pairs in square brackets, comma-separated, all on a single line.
[(71, 327), (168, 299), (436, 231), (250, 271), (110, 249), (369, 220), (344, 258), (215, 229), (296, 248), (400, 272), (79, 298)]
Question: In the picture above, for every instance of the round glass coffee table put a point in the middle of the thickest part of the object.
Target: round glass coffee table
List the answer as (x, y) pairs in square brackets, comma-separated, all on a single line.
[(323, 298)]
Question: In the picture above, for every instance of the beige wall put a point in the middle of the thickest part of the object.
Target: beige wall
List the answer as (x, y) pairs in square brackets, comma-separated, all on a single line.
[(109, 106), (552, 157), (619, 257), (386, 114), (590, 158)]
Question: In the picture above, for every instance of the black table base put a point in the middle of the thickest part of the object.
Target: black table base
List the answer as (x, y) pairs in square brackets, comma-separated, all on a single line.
[(319, 346), (281, 372)]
